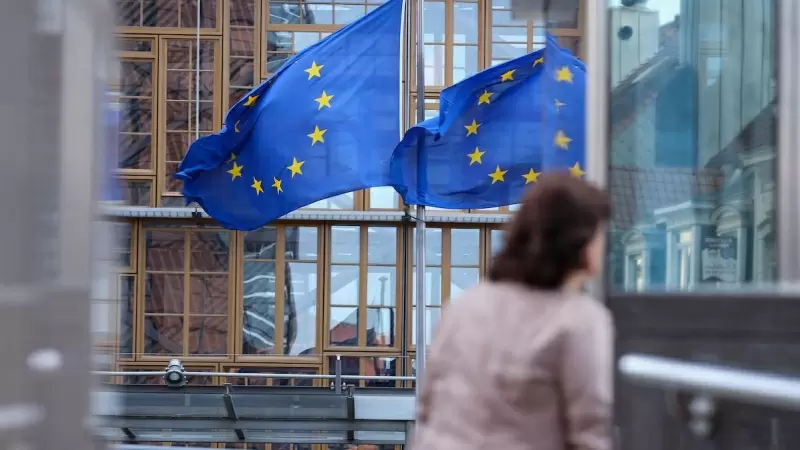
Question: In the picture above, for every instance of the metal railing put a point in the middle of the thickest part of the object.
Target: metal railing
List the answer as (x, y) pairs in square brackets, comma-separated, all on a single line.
[(759, 388), (338, 379)]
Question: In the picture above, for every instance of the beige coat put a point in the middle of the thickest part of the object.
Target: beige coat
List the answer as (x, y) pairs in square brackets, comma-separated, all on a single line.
[(515, 369)]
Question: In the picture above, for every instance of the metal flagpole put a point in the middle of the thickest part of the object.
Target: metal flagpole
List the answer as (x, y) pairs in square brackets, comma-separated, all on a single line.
[(197, 76), (420, 241)]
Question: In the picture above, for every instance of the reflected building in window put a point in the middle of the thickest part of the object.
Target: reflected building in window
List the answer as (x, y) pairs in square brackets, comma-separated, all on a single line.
[(693, 145)]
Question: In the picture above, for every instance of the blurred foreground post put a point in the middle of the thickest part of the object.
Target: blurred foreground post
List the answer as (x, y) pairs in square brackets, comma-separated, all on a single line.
[(50, 106)]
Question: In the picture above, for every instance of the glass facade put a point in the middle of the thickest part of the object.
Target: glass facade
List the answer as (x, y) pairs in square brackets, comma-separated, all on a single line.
[(692, 149), (292, 296)]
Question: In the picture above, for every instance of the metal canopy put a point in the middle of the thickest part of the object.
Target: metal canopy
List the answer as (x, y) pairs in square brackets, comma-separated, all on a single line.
[(262, 414)]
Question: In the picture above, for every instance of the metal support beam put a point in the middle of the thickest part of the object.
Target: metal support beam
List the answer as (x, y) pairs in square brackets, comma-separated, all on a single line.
[(130, 434)]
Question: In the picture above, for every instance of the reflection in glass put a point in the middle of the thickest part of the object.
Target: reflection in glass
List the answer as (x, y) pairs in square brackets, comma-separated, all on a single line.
[(432, 316), (383, 198), (382, 245), (465, 246), (127, 285), (463, 278), (345, 244), (258, 319), (692, 151), (433, 286), (496, 239), (381, 302), (344, 285), (300, 308), (344, 326)]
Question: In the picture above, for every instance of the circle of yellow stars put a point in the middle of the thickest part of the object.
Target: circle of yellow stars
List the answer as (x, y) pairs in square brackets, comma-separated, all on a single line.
[(296, 168), (560, 140)]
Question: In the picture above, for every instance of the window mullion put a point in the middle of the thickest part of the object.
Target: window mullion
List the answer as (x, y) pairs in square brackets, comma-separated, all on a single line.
[(280, 290), (449, 30), (362, 286), (187, 285)]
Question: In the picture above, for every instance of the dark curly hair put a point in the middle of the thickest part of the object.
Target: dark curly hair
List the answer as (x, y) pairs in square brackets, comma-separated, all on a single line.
[(546, 238)]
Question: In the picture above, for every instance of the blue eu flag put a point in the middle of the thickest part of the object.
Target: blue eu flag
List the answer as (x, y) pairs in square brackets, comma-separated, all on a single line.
[(497, 131), (325, 124)]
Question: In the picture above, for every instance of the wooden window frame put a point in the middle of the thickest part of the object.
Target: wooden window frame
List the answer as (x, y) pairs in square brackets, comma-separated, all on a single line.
[(161, 172), (362, 308), (143, 175), (119, 273), (258, 37), (446, 267), (216, 31), (139, 310), (448, 44), (280, 275), (577, 32)]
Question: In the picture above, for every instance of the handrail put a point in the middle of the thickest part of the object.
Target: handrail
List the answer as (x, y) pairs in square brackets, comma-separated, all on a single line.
[(759, 388), (283, 376)]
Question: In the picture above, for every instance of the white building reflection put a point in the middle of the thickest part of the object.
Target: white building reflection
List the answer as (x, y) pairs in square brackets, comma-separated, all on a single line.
[(693, 143)]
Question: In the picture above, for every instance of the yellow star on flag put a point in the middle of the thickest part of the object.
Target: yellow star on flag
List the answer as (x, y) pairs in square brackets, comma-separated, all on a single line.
[(508, 76), (297, 167), (276, 183), (314, 70), (323, 100), (251, 100), (472, 128), (236, 127), (317, 135), (257, 186), (559, 104), (537, 61), (230, 158), (498, 175), (576, 171), (475, 156), (235, 171), (531, 177), (561, 140), (485, 98), (564, 75)]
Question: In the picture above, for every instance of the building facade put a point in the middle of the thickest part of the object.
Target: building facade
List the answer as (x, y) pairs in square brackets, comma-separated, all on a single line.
[(333, 280)]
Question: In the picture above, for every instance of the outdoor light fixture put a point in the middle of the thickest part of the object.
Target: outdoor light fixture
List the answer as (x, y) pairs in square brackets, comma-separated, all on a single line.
[(174, 374)]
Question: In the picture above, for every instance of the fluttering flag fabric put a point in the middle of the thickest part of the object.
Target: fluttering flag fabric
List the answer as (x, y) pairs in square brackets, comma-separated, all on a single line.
[(324, 124), (496, 132)]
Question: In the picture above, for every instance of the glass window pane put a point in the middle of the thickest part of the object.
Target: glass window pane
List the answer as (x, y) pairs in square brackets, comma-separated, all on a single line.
[(345, 244), (260, 244), (433, 286), (465, 23), (382, 245), (344, 285), (344, 326), (434, 22), (465, 61), (433, 246), (164, 250), (432, 316), (383, 198), (434, 64), (463, 278), (300, 309), (465, 247), (301, 243), (496, 237), (692, 156), (258, 318), (127, 286), (344, 201), (209, 252)]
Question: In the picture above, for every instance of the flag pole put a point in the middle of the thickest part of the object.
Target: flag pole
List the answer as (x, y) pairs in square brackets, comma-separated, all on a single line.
[(420, 225)]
